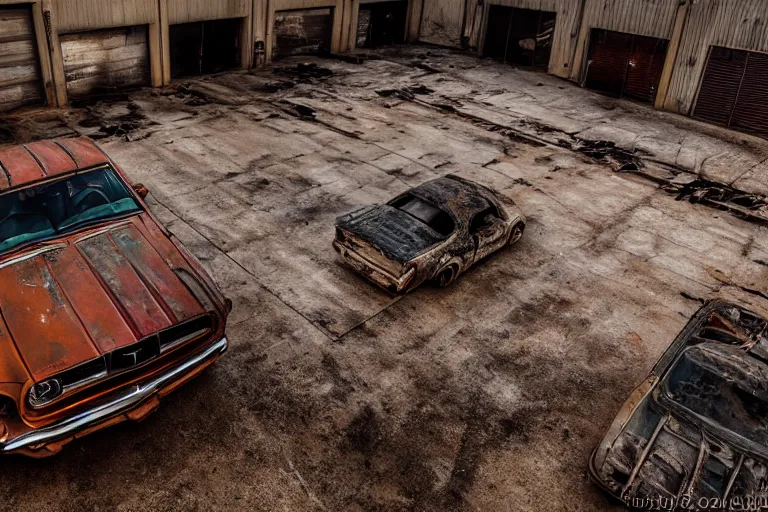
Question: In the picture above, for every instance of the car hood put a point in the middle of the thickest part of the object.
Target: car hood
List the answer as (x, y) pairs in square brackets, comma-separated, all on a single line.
[(393, 232), (78, 298)]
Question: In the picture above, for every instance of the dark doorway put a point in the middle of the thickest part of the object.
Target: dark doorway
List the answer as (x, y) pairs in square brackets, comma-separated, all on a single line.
[(734, 91), (305, 32), (520, 36), (205, 47), (625, 65), (381, 23)]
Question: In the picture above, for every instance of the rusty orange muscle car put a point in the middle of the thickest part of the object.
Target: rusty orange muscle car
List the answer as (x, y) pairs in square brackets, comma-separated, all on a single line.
[(102, 311)]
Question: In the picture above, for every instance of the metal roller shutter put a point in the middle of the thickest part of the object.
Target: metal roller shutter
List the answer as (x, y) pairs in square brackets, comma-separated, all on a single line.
[(720, 85), (751, 111), (20, 82), (646, 63), (103, 61), (734, 91)]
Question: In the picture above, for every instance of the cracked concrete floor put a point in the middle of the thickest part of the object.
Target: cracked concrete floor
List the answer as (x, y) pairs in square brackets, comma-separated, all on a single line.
[(488, 395)]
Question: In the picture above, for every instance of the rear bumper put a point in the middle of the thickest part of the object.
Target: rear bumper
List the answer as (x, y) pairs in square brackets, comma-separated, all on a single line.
[(116, 409), (372, 272)]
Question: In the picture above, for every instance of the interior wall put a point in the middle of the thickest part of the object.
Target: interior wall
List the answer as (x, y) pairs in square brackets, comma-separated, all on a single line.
[(340, 23), (738, 24)]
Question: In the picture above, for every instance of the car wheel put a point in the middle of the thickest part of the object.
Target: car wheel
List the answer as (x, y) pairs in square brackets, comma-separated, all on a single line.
[(517, 233), (446, 277)]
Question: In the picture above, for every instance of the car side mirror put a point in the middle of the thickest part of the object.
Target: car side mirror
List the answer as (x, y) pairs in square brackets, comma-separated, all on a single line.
[(140, 190)]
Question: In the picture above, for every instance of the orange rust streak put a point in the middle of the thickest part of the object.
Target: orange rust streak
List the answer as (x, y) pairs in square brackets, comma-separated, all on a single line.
[(53, 159), (21, 166), (45, 329), (84, 152)]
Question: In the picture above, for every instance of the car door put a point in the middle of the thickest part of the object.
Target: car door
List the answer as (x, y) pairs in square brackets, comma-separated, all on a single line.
[(489, 232)]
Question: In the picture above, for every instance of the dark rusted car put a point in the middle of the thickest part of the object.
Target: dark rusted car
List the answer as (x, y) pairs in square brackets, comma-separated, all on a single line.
[(694, 434), (102, 311), (434, 231)]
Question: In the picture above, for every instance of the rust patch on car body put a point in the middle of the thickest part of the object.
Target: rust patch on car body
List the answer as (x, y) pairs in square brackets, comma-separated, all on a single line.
[(94, 312)]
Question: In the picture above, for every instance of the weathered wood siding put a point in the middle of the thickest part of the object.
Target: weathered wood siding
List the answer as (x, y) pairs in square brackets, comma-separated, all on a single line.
[(739, 24), (20, 82), (442, 21), (105, 60), (185, 11), (566, 27), (81, 15)]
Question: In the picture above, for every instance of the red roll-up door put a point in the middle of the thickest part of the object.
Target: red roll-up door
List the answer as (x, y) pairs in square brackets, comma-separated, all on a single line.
[(720, 85), (751, 111), (734, 91), (625, 64)]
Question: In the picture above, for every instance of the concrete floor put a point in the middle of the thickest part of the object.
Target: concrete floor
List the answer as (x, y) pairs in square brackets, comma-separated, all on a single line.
[(488, 395)]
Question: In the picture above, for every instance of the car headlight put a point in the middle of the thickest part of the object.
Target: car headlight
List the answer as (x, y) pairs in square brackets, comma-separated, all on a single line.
[(44, 392)]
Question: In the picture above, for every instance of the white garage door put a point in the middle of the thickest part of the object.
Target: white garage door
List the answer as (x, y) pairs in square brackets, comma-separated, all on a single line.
[(103, 61), (20, 82)]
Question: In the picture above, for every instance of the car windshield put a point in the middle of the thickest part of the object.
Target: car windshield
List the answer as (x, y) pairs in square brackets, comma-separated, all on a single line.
[(729, 390), (425, 212), (38, 213)]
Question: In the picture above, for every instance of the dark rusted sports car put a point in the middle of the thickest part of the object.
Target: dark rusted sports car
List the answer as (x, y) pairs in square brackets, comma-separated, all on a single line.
[(694, 434), (102, 311), (434, 231)]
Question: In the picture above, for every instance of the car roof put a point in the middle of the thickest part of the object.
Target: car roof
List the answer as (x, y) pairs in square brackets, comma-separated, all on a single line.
[(25, 164), (459, 196)]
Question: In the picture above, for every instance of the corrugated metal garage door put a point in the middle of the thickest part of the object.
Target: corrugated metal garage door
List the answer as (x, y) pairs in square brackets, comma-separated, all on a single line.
[(625, 64), (20, 82), (520, 36), (302, 32), (734, 91), (103, 61), (442, 22)]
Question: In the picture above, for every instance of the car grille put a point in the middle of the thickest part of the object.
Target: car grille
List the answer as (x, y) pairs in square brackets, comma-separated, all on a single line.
[(132, 356)]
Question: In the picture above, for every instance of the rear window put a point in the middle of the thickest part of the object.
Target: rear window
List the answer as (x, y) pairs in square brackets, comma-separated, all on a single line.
[(425, 212), (728, 391)]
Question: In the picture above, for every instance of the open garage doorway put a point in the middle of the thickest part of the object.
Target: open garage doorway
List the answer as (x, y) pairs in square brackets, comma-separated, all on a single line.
[(381, 23), (625, 65), (302, 32), (519, 36), (205, 47)]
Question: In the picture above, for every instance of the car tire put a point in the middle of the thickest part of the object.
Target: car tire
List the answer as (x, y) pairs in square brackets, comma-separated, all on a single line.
[(446, 276), (516, 233)]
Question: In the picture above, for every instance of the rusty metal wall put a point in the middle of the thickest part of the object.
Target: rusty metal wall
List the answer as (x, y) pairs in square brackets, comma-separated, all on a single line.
[(105, 60), (20, 82), (738, 24)]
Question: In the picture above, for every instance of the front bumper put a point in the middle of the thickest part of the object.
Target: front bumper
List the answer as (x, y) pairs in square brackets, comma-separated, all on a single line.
[(372, 272), (120, 404)]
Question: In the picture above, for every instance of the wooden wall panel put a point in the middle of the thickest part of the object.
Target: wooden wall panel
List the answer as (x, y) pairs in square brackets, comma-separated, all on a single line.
[(105, 60), (185, 11), (737, 24), (82, 15), (20, 81)]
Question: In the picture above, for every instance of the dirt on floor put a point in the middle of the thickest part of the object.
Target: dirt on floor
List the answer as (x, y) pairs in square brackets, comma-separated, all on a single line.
[(487, 395)]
